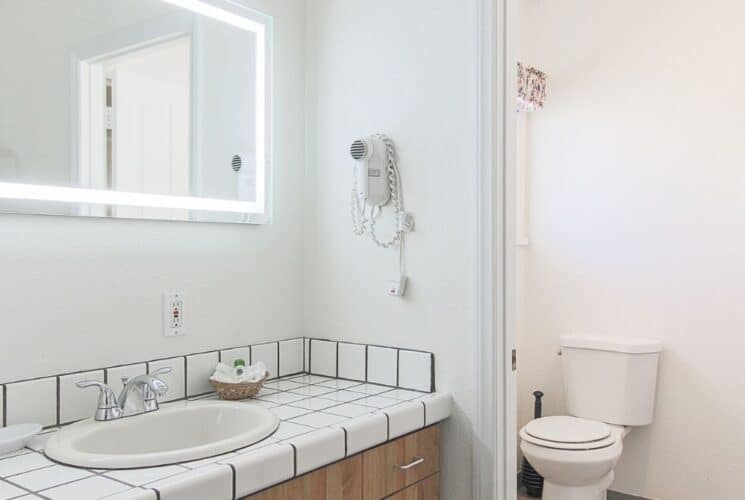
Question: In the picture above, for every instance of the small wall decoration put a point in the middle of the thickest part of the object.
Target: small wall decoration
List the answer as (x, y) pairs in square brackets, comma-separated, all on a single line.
[(531, 88)]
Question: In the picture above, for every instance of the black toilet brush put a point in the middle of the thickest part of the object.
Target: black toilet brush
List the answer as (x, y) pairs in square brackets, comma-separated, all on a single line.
[(530, 478)]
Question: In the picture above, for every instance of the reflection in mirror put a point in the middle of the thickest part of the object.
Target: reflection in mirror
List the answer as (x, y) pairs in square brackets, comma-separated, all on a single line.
[(135, 109)]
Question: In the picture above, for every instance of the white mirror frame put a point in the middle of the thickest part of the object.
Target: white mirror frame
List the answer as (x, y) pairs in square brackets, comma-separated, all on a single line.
[(255, 212)]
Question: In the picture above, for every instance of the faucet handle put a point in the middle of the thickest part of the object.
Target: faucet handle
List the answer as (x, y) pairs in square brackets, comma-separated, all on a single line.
[(107, 408)]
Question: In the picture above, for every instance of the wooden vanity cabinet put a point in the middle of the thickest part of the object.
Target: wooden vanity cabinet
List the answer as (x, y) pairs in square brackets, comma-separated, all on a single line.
[(404, 469)]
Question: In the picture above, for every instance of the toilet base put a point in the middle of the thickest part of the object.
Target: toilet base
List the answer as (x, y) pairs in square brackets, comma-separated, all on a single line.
[(596, 491)]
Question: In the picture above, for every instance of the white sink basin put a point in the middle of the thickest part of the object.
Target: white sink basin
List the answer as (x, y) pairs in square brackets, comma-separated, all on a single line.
[(173, 434)]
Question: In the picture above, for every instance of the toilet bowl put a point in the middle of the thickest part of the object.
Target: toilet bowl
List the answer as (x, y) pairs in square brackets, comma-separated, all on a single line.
[(609, 387), (575, 456)]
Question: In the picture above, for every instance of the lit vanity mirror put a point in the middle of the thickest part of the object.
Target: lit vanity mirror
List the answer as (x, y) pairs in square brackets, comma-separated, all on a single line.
[(144, 109)]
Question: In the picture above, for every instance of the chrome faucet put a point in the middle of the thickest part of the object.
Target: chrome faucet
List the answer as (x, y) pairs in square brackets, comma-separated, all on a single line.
[(149, 386)]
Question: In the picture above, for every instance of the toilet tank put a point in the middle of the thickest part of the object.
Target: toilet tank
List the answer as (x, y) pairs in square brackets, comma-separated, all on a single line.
[(611, 379)]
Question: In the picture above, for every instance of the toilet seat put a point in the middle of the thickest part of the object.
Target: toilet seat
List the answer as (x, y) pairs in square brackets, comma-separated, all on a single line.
[(568, 433)]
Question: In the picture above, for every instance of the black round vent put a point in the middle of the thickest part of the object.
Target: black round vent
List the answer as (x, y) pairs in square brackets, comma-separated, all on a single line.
[(358, 150), (236, 163)]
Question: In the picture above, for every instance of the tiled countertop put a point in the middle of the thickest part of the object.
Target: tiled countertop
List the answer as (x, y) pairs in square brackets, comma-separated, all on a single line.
[(322, 420)]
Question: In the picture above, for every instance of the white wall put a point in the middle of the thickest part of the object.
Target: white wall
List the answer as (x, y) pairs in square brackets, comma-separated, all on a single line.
[(405, 69), (636, 222), (78, 292)]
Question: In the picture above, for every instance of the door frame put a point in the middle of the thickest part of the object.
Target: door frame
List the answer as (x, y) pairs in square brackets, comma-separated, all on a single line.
[(495, 437)]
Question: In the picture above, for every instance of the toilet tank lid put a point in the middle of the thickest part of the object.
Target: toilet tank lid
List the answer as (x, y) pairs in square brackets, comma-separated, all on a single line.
[(628, 345)]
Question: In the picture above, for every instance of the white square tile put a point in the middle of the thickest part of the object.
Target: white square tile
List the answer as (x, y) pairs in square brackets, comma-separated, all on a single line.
[(267, 354), (344, 396), (323, 357), (199, 369), (312, 390), (382, 365), (32, 402), (283, 385), (22, 451), (176, 379), (365, 432), (196, 464), (315, 403), (265, 442), (318, 419), (339, 384), (404, 394), (349, 410), (230, 355), (262, 468), (317, 449), (370, 389), (135, 494), (23, 463), (139, 477), (377, 402), (437, 408), (76, 403), (283, 398), (290, 356), (213, 482), (9, 491), (352, 361), (49, 476), (288, 412), (287, 430), (262, 403), (114, 375), (311, 379), (405, 418), (92, 487), (415, 370)]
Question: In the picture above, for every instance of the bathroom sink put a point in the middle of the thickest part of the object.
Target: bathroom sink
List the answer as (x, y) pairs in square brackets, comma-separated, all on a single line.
[(173, 434)]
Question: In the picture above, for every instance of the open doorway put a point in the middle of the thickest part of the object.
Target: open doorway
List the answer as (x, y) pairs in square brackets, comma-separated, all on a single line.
[(137, 131)]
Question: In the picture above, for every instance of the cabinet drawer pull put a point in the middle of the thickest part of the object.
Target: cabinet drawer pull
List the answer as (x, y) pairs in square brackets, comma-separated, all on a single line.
[(413, 464)]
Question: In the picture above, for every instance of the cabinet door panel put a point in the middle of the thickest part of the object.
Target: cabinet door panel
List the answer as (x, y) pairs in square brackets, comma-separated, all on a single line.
[(401, 463), (428, 489)]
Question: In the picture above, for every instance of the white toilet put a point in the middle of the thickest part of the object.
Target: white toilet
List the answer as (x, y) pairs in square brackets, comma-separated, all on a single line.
[(609, 388)]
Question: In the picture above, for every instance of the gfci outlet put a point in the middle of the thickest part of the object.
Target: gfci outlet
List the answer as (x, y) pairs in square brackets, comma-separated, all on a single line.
[(173, 314)]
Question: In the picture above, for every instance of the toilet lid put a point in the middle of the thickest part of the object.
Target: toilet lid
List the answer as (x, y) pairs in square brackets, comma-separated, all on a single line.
[(568, 433)]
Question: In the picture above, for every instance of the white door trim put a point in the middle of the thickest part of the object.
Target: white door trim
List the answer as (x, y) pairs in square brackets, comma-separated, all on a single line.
[(495, 440)]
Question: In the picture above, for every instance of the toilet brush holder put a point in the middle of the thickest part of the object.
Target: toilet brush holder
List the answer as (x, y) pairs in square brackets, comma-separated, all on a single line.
[(533, 481)]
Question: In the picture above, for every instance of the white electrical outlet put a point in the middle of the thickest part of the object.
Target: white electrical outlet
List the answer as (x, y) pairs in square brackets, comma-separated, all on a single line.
[(173, 314)]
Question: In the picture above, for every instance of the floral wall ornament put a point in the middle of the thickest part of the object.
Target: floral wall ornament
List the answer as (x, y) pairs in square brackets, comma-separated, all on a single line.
[(531, 88)]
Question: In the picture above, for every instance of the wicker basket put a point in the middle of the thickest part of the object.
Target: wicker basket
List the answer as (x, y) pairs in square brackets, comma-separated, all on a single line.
[(242, 390)]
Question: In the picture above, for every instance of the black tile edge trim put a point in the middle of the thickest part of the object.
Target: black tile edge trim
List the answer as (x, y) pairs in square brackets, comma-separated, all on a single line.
[(279, 365), (250, 355), (157, 492), (5, 406), (337, 359), (186, 378), (58, 400), (346, 446), (424, 405), (310, 356), (432, 373), (232, 468), (294, 460), (367, 361), (387, 426)]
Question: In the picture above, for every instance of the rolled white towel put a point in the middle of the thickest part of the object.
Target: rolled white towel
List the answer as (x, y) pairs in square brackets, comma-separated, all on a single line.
[(227, 375)]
